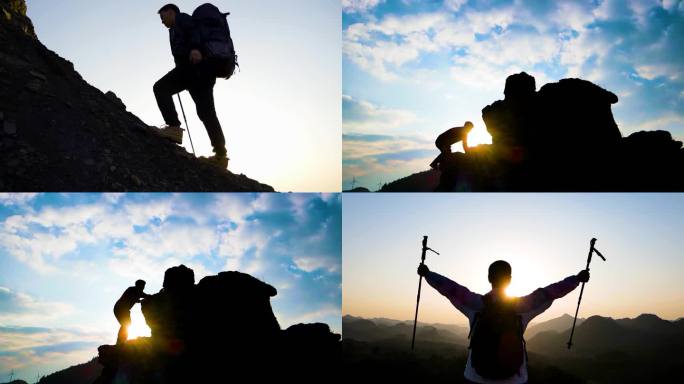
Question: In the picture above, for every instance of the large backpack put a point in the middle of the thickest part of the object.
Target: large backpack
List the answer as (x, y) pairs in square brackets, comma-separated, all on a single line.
[(497, 347), (215, 36)]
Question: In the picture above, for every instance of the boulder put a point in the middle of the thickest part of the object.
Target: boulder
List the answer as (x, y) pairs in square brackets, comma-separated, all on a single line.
[(220, 329)]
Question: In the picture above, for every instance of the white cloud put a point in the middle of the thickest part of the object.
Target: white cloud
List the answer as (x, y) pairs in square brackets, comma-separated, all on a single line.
[(357, 148), (317, 316), (21, 308), (10, 199), (665, 122), (356, 6), (455, 5), (363, 116), (312, 263)]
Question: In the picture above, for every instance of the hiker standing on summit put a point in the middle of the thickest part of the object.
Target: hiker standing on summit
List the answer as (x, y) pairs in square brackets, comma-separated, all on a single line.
[(497, 322), (122, 308), (202, 50)]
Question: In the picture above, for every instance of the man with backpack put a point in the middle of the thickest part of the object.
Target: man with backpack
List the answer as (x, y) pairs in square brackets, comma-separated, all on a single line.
[(497, 322), (202, 50)]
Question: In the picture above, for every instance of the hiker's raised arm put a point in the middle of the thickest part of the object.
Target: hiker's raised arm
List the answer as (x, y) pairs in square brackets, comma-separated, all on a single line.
[(541, 299), (464, 300)]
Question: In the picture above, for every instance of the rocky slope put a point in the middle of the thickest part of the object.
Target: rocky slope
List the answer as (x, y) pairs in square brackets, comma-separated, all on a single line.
[(58, 133)]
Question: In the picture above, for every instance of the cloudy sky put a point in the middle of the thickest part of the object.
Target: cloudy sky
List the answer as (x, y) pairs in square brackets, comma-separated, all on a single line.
[(412, 69), (280, 114), (66, 259), (545, 238)]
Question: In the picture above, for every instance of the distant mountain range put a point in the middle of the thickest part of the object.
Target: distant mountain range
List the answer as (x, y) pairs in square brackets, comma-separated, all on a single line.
[(378, 328), (361, 329), (644, 349)]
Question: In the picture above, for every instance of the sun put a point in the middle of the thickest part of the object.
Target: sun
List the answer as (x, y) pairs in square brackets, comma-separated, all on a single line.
[(478, 135), (138, 327)]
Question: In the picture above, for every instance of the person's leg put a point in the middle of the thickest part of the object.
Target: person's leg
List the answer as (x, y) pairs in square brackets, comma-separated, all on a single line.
[(124, 319), (164, 89), (206, 111), (202, 92)]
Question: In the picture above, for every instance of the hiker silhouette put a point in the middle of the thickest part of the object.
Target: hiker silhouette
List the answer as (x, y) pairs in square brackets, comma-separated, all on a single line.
[(202, 50), (122, 308), (448, 138), (498, 322)]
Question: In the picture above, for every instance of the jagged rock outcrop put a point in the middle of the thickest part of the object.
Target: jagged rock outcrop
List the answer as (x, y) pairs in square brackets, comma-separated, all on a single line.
[(218, 330), (560, 138), (58, 133)]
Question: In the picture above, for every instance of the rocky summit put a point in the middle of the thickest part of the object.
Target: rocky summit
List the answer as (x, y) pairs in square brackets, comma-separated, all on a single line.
[(58, 133), (562, 137), (221, 329)]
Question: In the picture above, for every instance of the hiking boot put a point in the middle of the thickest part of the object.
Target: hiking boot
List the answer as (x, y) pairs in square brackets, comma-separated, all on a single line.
[(172, 132), (220, 161)]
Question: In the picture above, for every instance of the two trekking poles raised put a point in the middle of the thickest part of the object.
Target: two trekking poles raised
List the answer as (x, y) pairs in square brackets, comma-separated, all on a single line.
[(420, 283), (186, 125), (592, 250)]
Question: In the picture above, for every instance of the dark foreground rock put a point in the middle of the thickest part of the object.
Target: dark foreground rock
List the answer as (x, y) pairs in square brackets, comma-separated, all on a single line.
[(58, 133), (560, 138), (221, 329)]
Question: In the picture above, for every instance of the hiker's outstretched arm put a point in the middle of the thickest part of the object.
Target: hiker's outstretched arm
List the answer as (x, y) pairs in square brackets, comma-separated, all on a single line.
[(541, 299), (464, 300)]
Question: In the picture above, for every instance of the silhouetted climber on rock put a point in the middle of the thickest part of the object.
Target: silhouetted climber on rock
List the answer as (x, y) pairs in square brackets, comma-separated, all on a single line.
[(448, 138), (497, 322), (221, 329), (122, 308), (202, 50)]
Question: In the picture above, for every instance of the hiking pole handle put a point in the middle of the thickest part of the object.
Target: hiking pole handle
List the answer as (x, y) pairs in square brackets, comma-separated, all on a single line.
[(425, 248), (591, 251)]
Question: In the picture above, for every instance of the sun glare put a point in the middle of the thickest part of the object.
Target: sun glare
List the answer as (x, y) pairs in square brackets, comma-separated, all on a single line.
[(478, 135), (138, 327)]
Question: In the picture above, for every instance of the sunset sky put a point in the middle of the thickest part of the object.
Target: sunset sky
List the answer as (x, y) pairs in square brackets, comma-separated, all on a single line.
[(413, 68), (545, 238), (280, 114), (66, 259)]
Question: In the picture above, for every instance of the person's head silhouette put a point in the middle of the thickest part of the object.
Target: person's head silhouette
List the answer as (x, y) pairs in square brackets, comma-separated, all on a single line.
[(499, 275), (140, 284)]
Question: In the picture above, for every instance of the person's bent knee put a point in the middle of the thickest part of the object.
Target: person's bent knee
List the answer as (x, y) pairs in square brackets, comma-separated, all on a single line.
[(158, 88)]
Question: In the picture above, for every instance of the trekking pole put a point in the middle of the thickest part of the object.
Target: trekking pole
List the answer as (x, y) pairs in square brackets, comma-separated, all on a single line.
[(186, 125), (420, 282), (591, 251)]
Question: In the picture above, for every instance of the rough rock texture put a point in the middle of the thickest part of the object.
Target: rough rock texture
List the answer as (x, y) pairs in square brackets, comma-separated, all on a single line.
[(58, 133), (560, 138), (218, 330)]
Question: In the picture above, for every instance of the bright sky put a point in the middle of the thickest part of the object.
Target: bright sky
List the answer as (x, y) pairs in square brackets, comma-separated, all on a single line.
[(281, 114), (66, 259), (412, 69), (545, 238)]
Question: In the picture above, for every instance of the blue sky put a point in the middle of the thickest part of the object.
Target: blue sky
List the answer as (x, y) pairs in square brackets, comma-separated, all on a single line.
[(412, 69), (545, 238), (280, 114), (66, 258)]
